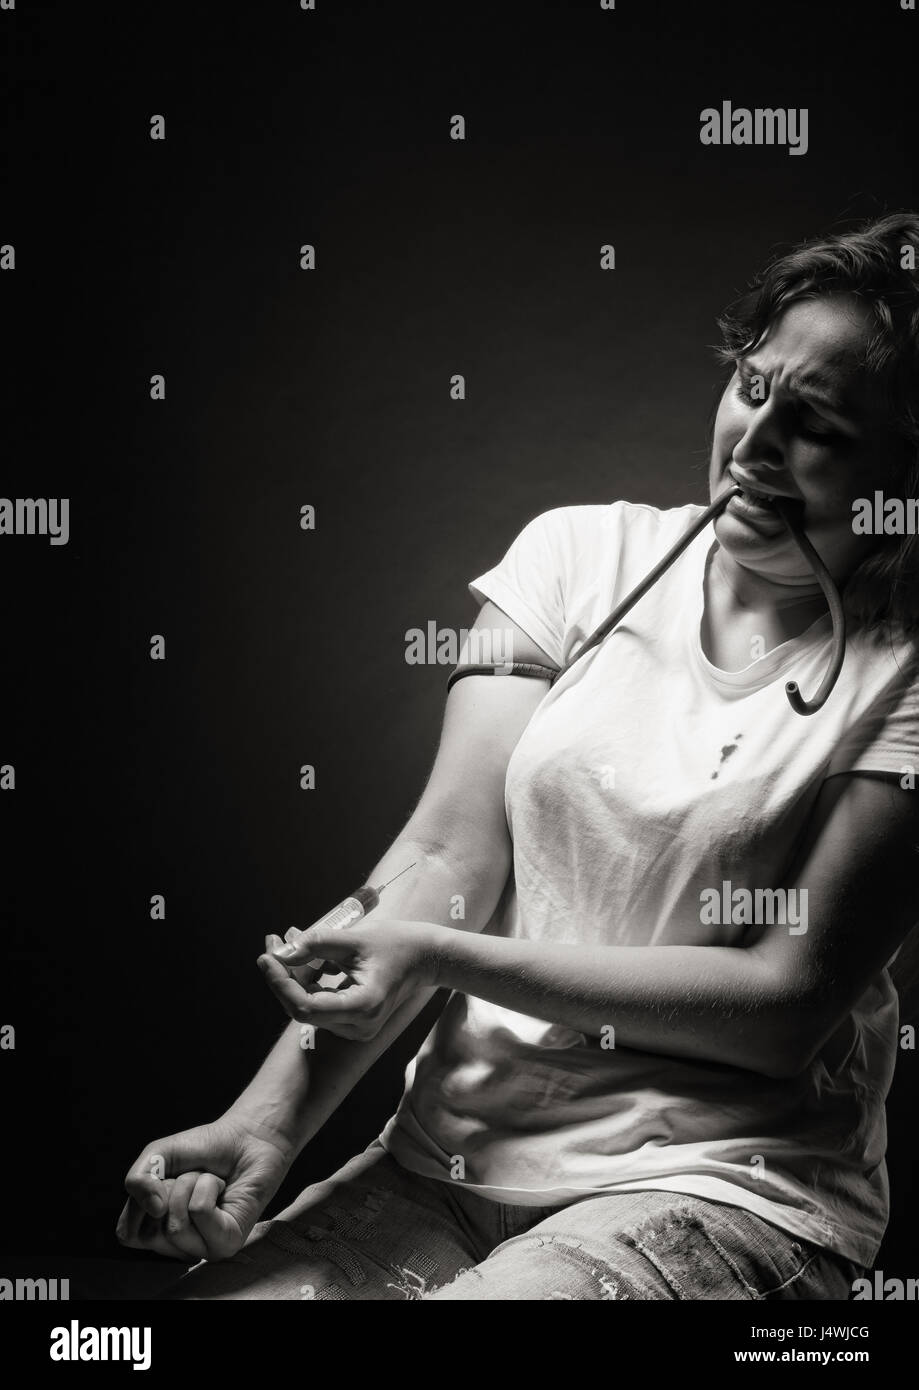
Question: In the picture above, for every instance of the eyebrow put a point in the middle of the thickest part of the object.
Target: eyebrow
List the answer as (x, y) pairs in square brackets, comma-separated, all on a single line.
[(814, 388)]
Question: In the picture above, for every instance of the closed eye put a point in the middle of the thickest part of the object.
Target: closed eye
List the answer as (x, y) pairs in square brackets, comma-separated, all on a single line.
[(820, 430)]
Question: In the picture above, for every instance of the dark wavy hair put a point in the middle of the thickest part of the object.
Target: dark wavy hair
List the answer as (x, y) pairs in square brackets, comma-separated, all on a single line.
[(867, 262)]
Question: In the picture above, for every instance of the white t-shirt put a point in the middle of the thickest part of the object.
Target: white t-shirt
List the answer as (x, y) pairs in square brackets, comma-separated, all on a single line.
[(645, 776)]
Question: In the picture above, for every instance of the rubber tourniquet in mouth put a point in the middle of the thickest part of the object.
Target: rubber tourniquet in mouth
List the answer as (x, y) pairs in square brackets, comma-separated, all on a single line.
[(790, 511)]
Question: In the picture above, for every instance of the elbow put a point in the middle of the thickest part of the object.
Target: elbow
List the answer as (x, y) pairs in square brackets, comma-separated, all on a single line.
[(459, 846), (465, 871), (786, 1019), (789, 1046)]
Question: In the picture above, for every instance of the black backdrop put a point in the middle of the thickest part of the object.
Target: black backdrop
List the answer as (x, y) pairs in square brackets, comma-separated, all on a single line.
[(285, 387)]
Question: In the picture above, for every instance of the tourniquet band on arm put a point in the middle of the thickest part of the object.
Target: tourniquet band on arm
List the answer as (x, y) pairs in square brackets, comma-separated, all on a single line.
[(513, 668)]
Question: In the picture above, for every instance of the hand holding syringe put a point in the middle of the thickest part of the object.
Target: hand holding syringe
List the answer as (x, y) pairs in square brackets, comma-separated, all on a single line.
[(345, 914)]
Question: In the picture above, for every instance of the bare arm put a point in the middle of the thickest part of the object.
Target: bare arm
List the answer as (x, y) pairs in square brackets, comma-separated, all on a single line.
[(458, 834), (768, 1006), (199, 1192)]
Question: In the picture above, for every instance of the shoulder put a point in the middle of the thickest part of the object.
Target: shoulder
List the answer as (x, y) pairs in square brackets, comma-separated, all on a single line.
[(894, 659), (581, 556), (884, 670), (605, 521), (603, 547), (577, 550)]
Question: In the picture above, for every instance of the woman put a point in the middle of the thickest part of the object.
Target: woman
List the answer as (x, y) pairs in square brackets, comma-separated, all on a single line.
[(647, 1082)]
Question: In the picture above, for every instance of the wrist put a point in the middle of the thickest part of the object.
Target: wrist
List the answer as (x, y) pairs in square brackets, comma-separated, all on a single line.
[(439, 953), (262, 1124)]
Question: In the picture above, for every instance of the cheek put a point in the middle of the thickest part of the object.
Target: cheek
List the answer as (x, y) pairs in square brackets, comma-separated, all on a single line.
[(728, 428), (837, 480), (720, 417)]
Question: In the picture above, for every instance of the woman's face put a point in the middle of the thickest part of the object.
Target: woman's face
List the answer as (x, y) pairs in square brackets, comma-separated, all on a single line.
[(799, 418)]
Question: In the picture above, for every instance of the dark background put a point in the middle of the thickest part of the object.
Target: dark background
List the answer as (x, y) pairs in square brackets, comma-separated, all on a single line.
[(332, 388)]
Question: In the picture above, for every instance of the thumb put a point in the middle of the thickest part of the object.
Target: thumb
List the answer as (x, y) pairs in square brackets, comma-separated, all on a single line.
[(316, 944)]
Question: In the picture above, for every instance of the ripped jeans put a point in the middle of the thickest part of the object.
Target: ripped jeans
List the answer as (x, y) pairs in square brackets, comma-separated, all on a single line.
[(374, 1230)]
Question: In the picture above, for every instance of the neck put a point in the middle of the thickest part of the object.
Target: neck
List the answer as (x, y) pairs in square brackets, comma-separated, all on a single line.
[(756, 591)]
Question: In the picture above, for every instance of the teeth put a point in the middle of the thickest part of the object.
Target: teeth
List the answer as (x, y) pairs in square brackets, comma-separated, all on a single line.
[(756, 497)]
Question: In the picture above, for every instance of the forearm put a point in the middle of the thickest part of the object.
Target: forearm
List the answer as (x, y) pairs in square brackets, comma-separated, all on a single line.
[(309, 1072), (710, 1003), (297, 1089)]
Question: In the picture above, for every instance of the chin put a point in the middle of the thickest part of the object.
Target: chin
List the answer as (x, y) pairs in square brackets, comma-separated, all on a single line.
[(773, 558), (743, 542)]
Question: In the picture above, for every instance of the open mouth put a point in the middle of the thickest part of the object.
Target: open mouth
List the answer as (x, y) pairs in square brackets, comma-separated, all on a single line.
[(753, 498), (756, 499), (755, 506), (750, 492)]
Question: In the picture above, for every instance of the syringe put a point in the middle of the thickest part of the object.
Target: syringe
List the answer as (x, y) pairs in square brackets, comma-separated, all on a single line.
[(345, 914)]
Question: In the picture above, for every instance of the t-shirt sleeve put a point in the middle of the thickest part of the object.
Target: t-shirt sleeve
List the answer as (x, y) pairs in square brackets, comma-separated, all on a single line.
[(528, 584), (886, 737)]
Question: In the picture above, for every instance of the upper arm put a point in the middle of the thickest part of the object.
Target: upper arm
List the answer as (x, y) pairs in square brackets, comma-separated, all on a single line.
[(858, 865), (461, 810)]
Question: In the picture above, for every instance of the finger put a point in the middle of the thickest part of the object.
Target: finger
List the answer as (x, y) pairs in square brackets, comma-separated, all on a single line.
[(144, 1181), (142, 1232), (273, 942), (204, 1198), (223, 1229), (295, 999), (307, 975), (304, 975), (179, 1227), (327, 1008), (129, 1221), (319, 944), (288, 990), (153, 1237), (289, 950)]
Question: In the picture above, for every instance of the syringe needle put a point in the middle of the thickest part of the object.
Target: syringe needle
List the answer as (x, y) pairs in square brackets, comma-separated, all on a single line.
[(398, 875)]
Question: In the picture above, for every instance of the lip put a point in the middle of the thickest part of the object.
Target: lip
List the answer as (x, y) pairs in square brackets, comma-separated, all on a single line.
[(759, 515), (751, 485), (754, 487)]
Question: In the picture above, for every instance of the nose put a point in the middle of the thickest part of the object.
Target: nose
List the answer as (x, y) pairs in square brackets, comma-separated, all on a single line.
[(760, 447)]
